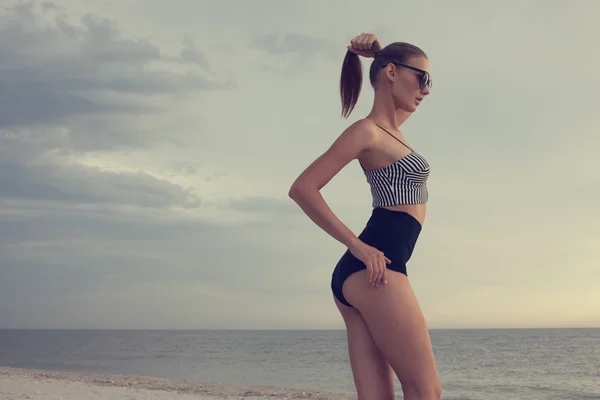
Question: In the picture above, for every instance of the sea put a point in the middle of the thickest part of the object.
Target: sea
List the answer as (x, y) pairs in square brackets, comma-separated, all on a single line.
[(474, 364)]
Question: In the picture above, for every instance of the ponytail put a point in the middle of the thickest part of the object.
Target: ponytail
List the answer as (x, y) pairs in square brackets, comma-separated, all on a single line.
[(350, 82)]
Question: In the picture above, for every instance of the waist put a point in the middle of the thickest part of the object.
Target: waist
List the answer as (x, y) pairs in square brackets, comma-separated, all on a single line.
[(393, 232), (391, 195), (417, 211), (393, 221)]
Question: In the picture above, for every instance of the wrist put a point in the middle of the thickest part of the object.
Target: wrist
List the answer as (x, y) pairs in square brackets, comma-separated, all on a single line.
[(353, 242)]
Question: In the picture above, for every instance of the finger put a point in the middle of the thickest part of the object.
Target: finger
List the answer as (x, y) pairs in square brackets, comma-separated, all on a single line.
[(384, 264), (356, 48), (376, 46), (381, 271), (369, 271), (375, 273), (386, 261), (370, 40), (378, 272), (364, 43), (358, 43)]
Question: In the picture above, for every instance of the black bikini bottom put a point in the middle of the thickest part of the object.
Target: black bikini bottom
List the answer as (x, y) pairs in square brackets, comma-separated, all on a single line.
[(395, 233)]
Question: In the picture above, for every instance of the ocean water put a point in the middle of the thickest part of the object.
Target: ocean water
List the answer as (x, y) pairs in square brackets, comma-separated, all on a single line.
[(489, 364)]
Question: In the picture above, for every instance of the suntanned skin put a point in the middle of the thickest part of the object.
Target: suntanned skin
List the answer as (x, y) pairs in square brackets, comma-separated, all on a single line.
[(387, 333)]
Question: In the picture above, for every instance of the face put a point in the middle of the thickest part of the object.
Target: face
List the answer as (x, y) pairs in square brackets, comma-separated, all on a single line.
[(406, 83)]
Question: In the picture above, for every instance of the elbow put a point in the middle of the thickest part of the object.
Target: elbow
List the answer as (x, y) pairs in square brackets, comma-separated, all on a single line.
[(294, 191), (297, 191)]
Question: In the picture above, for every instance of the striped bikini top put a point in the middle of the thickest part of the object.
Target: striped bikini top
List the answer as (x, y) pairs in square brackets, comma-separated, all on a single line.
[(403, 182)]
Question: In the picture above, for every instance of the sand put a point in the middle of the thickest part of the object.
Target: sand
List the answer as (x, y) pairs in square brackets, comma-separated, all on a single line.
[(16, 383)]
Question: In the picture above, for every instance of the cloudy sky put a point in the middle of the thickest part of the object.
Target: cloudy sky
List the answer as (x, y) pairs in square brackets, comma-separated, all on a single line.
[(146, 151)]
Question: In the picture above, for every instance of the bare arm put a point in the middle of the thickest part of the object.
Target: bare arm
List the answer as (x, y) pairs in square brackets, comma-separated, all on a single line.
[(364, 45), (305, 191)]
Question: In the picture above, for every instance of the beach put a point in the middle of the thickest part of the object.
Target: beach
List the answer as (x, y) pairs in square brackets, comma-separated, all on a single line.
[(491, 364), (16, 383)]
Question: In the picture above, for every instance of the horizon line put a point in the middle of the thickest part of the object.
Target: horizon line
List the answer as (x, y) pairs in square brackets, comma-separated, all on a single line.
[(288, 329)]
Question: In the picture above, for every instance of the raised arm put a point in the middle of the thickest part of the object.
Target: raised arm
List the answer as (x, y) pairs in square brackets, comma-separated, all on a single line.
[(365, 45)]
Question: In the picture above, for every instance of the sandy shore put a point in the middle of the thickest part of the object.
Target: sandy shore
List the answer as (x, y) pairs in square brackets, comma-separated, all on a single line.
[(21, 384)]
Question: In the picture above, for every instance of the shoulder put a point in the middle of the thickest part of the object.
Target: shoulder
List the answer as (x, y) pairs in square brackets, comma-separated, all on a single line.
[(349, 145), (363, 128), (361, 135)]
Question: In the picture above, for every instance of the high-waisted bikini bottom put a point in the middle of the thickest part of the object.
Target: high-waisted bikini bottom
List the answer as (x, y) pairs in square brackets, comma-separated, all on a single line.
[(395, 233)]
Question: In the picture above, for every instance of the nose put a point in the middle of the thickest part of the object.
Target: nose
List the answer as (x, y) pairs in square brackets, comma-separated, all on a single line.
[(426, 90)]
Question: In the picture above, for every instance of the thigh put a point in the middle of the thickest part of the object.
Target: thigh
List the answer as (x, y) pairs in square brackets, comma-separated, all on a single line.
[(373, 376), (396, 323)]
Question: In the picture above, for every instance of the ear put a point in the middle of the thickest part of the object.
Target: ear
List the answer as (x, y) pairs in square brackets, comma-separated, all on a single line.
[(390, 71)]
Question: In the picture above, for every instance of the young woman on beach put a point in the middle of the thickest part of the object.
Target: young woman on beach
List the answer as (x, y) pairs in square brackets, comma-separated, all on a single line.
[(387, 332)]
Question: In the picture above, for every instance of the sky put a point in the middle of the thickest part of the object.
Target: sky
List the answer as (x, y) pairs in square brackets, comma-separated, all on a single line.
[(147, 150)]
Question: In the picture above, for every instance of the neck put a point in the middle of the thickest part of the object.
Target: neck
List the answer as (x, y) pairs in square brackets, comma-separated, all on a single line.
[(384, 111)]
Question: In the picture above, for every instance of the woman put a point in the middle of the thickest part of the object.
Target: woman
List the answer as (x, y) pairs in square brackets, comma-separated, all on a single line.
[(386, 329)]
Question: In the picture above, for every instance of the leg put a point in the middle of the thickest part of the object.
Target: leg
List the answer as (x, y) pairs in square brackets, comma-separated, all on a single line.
[(398, 327), (373, 376)]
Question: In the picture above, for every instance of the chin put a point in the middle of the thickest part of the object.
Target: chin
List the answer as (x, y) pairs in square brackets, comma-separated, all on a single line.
[(411, 108)]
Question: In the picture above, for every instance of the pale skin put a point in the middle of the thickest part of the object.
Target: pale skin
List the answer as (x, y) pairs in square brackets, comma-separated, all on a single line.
[(387, 332)]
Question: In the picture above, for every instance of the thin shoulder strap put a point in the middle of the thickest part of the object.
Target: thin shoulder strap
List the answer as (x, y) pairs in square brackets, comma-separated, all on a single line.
[(394, 137)]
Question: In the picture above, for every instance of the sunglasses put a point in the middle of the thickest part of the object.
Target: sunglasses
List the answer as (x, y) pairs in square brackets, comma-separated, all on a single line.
[(426, 80)]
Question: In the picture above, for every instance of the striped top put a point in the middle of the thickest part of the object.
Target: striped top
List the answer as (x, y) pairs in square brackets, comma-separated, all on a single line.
[(403, 182)]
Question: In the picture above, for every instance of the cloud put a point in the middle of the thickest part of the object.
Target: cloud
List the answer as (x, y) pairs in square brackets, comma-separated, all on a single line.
[(49, 179), (68, 90), (259, 204), (117, 251), (53, 70), (294, 43), (145, 163), (191, 54)]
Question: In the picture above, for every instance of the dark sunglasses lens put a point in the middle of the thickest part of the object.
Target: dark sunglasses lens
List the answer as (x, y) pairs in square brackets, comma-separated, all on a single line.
[(425, 81)]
